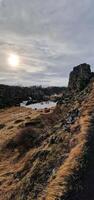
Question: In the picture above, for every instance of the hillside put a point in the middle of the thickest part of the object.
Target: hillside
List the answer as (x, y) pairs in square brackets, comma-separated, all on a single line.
[(50, 156)]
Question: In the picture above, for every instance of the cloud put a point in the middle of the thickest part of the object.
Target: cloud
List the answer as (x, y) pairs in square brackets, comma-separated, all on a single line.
[(49, 37)]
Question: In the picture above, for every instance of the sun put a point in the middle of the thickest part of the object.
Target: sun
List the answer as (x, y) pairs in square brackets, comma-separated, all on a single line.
[(13, 60)]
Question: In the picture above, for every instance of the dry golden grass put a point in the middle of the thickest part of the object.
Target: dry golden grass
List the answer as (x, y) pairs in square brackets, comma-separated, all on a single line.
[(59, 186), (9, 116), (73, 145)]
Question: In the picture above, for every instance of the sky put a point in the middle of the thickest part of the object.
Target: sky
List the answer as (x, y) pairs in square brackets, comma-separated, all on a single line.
[(50, 37)]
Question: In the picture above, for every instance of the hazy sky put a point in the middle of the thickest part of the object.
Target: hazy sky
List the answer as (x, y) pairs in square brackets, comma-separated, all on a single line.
[(50, 37)]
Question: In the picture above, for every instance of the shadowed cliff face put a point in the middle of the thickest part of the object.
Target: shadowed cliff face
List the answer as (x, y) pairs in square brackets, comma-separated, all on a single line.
[(50, 156), (79, 77)]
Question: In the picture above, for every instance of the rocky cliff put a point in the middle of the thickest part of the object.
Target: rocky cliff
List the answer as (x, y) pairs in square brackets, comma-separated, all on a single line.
[(80, 77), (50, 156)]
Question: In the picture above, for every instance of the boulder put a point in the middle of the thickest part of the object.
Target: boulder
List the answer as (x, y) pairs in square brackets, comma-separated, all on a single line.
[(47, 110)]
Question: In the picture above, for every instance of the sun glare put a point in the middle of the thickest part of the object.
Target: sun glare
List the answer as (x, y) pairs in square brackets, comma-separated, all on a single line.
[(13, 60)]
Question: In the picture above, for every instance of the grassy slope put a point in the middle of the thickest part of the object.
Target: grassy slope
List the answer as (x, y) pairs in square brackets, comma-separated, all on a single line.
[(61, 166), (74, 179)]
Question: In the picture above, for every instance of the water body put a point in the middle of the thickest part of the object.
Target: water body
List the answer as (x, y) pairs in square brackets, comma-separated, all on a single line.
[(41, 105)]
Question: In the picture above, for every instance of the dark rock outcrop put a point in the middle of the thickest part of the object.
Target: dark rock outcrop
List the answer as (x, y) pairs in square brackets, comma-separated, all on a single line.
[(79, 77)]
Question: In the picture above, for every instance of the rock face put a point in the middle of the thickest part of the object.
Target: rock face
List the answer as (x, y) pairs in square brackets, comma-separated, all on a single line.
[(79, 77)]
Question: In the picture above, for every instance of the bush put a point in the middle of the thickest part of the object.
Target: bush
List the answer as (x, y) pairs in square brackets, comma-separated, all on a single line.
[(2, 126), (25, 139)]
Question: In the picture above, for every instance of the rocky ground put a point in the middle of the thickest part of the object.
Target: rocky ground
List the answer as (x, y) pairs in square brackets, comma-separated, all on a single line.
[(50, 156)]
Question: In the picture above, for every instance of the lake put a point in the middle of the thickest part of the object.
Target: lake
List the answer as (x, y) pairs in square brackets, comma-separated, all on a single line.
[(41, 105)]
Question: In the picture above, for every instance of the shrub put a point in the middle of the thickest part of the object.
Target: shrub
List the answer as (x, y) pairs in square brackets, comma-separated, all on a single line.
[(2, 126), (25, 139)]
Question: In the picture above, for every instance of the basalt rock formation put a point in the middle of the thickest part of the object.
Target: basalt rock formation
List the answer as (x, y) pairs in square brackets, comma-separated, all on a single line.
[(50, 157), (80, 77)]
